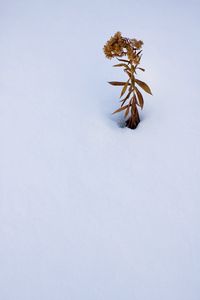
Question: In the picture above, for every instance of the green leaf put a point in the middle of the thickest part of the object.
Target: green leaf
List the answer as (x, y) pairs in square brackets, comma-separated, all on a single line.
[(124, 89), (140, 97), (144, 86), (118, 83), (120, 109)]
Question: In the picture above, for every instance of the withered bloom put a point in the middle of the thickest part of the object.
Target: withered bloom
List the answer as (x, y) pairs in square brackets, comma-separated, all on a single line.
[(116, 47)]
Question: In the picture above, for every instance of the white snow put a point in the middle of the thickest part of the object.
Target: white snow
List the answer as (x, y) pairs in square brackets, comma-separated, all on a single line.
[(89, 210)]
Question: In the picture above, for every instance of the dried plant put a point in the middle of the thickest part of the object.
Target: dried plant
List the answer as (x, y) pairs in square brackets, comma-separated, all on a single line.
[(119, 46)]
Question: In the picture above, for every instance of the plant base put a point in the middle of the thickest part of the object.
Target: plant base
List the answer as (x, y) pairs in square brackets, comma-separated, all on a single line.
[(133, 121)]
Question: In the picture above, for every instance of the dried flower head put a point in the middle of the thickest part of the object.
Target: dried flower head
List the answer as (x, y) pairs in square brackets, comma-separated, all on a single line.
[(118, 46), (137, 44), (114, 46)]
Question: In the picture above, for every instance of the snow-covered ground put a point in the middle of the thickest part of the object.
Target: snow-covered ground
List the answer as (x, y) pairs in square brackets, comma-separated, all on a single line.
[(89, 210)]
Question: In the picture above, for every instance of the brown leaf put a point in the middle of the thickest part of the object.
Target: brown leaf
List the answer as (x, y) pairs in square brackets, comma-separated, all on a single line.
[(144, 86), (124, 60), (126, 98), (133, 108), (128, 95), (124, 89), (135, 99), (127, 111), (121, 65), (141, 69), (128, 73), (120, 109), (140, 97), (118, 83), (139, 52)]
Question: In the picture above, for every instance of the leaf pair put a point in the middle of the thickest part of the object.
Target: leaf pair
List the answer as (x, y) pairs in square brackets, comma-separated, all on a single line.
[(142, 84)]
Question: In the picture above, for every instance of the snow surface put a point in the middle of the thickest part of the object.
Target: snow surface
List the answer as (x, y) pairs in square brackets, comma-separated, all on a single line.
[(89, 210)]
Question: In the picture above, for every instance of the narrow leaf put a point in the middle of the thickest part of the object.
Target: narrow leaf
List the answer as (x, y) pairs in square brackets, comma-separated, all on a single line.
[(121, 65), (126, 98), (127, 111), (139, 52), (124, 60), (144, 86), (117, 83), (124, 89), (133, 106), (120, 109), (135, 100), (140, 97), (141, 69)]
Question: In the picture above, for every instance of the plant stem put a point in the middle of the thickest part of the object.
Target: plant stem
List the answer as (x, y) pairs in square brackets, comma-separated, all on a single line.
[(134, 119)]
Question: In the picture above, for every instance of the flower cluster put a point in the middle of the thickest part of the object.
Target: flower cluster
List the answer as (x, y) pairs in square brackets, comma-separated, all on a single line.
[(114, 46), (118, 46)]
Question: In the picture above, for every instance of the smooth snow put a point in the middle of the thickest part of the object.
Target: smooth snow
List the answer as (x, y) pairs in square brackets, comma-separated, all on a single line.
[(90, 210)]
